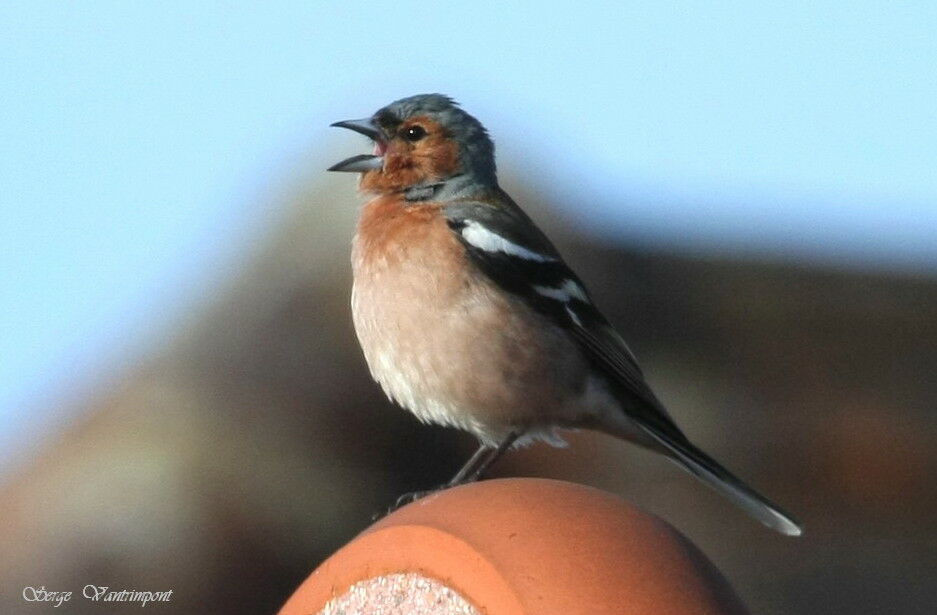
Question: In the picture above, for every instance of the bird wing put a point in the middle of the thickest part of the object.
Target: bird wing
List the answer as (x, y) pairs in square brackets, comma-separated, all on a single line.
[(507, 246)]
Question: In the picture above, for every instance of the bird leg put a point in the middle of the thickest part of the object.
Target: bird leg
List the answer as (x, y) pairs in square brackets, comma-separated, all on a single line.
[(483, 458), (466, 474), (478, 458), (474, 468)]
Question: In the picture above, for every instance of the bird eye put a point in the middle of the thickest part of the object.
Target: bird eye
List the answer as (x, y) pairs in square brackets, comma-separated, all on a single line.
[(414, 133)]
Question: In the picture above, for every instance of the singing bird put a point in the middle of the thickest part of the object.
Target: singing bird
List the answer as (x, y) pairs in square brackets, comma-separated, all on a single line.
[(469, 317)]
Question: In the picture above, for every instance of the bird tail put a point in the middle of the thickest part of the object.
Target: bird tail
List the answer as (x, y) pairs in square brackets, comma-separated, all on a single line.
[(710, 472)]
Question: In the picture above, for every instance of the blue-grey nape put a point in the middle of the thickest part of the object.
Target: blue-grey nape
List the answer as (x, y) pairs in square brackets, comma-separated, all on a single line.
[(476, 150)]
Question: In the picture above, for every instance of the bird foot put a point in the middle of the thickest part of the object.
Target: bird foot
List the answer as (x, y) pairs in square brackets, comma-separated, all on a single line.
[(413, 496), (407, 498)]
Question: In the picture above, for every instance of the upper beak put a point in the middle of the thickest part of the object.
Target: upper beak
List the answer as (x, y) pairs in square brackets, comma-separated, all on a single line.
[(361, 162), (365, 127)]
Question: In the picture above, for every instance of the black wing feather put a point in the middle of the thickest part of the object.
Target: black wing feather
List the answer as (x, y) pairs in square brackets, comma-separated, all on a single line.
[(596, 337), (600, 343)]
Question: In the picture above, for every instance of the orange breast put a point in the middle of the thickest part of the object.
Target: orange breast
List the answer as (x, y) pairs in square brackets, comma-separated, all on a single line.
[(442, 339), (390, 228)]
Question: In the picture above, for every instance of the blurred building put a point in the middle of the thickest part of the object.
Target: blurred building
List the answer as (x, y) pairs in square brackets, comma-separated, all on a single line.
[(229, 461)]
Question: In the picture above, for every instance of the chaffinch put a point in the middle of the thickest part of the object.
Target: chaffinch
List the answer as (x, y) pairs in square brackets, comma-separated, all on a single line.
[(468, 316)]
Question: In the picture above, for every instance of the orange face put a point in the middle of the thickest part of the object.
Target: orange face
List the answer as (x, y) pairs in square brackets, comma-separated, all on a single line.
[(419, 152)]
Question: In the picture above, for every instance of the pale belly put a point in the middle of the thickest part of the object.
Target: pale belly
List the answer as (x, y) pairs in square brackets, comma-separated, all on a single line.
[(457, 351)]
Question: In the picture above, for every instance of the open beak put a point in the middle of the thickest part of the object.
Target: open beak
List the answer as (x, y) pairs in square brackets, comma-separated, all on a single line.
[(361, 162)]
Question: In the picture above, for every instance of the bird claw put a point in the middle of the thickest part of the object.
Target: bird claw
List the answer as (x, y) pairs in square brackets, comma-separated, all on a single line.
[(411, 497), (406, 498)]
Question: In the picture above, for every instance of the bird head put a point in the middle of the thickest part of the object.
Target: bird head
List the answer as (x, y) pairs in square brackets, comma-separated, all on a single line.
[(419, 141)]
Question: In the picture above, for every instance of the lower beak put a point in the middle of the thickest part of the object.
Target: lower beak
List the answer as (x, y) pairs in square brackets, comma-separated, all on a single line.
[(361, 162)]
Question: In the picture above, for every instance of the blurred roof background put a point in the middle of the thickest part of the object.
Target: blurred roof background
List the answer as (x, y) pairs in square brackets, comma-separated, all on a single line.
[(753, 185), (137, 140)]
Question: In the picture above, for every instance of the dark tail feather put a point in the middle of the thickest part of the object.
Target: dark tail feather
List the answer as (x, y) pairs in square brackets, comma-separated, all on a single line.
[(710, 472)]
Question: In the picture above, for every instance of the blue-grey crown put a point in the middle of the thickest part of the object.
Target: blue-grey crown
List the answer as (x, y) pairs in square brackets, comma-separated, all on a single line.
[(476, 151)]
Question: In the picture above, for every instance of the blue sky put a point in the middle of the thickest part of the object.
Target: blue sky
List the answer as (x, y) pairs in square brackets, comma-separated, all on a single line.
[(136, 142)]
